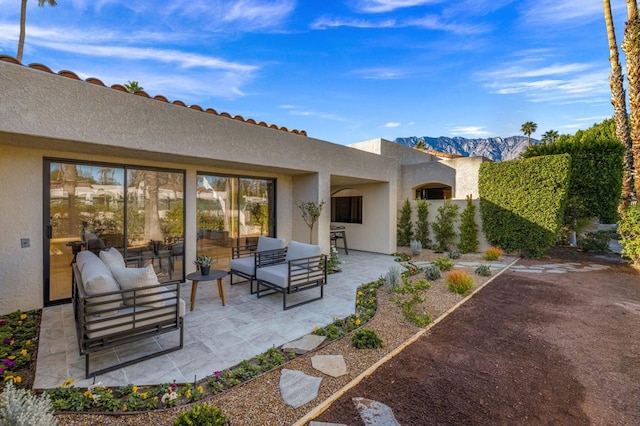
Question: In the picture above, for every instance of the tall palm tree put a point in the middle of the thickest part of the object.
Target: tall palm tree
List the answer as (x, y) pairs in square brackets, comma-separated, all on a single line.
[(23, 22), (618, 100), (631, 48), (133, 87), (528, 128), (550, 136)]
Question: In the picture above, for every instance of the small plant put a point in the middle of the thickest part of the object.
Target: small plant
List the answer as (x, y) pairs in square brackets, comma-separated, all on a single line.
[(366, 339), (493, 253), (483, 270), (594, 241), (401, 257), (432, 272), (416, 247), (454, 254), (443, 263), (405, 227), (333, 262), (468, 228), (393, 278), (203, 260), (459, 282), (629, 230), (202, 415), (311, 211), (422, 225), (21, 407)]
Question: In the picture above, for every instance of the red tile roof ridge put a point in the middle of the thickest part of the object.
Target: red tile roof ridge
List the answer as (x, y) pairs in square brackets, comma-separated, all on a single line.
[(160, 98)]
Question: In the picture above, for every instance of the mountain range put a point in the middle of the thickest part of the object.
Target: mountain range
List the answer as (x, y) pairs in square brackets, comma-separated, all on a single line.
[(496, 149)]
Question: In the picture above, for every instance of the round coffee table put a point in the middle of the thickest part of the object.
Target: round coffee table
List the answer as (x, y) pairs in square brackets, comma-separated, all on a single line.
[(197, 277)]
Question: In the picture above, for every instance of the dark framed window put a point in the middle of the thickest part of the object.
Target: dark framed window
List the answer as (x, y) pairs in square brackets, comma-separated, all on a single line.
[(433, 192), (346, 209)]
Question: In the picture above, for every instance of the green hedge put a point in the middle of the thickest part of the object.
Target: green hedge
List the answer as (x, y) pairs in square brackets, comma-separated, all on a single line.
[(522, 202), (596, 171)]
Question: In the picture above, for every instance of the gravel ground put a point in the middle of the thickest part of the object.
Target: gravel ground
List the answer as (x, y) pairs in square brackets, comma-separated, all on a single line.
[(258, 401)]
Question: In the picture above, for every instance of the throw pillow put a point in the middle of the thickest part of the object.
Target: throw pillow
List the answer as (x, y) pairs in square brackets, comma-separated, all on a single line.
[(112, 258), (134, 279)]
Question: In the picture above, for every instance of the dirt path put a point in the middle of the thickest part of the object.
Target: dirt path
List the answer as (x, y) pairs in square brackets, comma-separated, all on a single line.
[(544, 348)]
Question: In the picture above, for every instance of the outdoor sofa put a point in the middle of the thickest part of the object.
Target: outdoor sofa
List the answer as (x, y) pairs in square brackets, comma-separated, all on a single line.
[(244, 260), (304, 267), (115, 305)]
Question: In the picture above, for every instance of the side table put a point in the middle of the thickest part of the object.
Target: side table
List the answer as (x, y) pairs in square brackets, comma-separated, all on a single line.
[(214, 274)]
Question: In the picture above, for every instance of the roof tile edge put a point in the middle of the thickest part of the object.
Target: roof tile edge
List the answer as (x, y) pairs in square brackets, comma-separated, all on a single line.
[(160, 98)]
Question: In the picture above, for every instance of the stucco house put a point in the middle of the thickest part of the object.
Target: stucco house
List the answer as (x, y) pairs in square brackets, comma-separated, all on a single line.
[(83, 166)]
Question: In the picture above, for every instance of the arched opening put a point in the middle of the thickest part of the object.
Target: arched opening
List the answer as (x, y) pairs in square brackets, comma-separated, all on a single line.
[(434, 191), (346, 206)]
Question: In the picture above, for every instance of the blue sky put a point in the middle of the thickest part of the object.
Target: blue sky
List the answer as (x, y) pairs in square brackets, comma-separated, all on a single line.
[(343, 70)]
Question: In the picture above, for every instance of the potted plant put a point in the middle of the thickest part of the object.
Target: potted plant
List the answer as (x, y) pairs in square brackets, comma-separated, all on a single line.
[(203, 263)]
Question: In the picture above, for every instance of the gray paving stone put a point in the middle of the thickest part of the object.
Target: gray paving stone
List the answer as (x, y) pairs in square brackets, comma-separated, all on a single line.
[(374, 413), (305, 344), (331, 365), (297, 388), (314, 423)]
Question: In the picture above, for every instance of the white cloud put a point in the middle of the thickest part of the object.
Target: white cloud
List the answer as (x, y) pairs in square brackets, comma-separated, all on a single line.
[(470, 131), (552, 12), (382, 73), (324, 23), (391, 124), (380, 6), (301, 111)]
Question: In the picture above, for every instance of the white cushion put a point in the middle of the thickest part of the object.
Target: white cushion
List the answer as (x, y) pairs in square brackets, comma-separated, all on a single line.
[(270, 243), (87, 257), (298, 250), (112, 258), (97, 279), (135, 278), (246, 265)]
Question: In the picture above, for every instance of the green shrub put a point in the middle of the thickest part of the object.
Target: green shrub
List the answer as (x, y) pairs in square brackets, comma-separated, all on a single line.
[(444, 227), (483, 270), (443, 263), (629, 230), (366, 339), (405, 226), (596, 171), (393, 278), (202, 415), (469, 242), (454, 254), (522, 202), (594, 241), (422, 225), (459, 282), (432, 272)]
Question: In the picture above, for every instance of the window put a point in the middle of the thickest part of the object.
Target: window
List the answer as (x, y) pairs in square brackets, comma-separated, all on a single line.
[(346, 206), (433, 191)]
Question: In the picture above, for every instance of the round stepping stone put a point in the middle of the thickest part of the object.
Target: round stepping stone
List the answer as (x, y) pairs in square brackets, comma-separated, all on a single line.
[(331, 365), (374, 413), (297, 388)]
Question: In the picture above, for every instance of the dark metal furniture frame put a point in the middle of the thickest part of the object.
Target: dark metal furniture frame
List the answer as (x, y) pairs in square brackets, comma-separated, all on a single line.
[(302, 274), (155, 321), (263, 258)]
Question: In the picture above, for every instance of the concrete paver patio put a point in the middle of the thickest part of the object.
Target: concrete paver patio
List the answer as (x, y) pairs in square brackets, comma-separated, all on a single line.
[(215, 337)]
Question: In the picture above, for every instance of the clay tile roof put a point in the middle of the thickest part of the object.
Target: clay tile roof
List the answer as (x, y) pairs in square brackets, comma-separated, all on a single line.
[(160, 98)]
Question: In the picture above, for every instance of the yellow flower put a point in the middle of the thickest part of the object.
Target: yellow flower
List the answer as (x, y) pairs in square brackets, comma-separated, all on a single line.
[(124, 408), (144, 395), (67, 383), (17, 379), (200, 389), (7, 378), (188, 394), (360, 293), (134, 389), (357, 301), (20, 322), (23, 316), (358, 321), (27, 343), (315, 328), (88, 395), (24, 352), (11, 357)]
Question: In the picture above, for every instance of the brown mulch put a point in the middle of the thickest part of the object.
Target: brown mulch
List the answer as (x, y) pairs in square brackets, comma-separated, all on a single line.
[(529, 348)]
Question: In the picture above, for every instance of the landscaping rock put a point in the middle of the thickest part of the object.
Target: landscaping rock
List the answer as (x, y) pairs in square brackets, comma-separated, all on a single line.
[(374, 413), (304, 344), (298, 388), (331, 365)]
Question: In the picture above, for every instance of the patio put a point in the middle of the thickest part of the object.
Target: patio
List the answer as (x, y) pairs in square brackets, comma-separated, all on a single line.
[(215, 336)]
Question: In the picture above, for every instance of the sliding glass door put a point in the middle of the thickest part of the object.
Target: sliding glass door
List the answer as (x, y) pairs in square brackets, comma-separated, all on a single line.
[(95, 206), (232, 211)]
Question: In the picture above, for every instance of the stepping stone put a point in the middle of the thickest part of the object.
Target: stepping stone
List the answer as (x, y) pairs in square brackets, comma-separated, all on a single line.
[(305, 344), (314, 423), (297, 388), (331, 365), (374, 413)]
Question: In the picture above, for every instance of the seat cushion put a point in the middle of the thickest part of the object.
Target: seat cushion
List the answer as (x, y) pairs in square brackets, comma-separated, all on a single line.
[(112, 258), (270, 243), (97, 279), (245, 265), (135, 278), (276, 274), (298, 250)]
